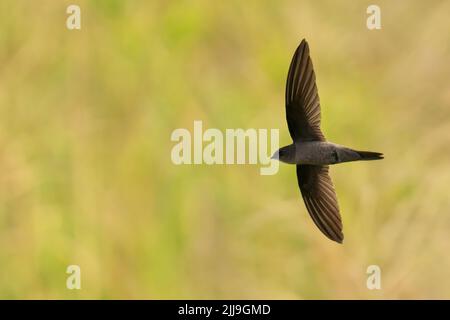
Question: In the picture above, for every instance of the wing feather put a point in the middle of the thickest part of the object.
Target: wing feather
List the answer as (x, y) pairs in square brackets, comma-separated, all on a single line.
[(302, 98), (320, 199)]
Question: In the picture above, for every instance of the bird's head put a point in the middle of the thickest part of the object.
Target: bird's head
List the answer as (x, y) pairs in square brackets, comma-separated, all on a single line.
[(285, 154)]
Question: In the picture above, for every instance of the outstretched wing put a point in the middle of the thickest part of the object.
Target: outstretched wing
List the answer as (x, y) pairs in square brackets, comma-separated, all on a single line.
[(320, 200), (302, 98)]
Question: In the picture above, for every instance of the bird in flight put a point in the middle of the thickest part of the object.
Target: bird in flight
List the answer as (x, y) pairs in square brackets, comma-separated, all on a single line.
[(310, 151)]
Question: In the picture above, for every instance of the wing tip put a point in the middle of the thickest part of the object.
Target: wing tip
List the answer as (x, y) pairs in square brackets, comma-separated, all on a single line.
[(339, 238), (303, 43)]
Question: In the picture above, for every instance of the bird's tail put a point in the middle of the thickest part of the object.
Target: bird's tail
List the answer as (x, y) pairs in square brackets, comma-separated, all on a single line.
[(369, 155)]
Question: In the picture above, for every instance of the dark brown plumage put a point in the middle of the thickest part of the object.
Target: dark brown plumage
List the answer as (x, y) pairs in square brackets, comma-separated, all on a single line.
[(320, 199), (302, 98), (310, 151)]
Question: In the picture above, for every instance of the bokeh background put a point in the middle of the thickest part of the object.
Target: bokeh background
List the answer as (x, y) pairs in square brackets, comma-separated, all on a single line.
[(86, 176)]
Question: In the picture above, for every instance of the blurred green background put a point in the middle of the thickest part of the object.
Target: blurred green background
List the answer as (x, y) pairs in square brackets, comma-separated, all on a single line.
[(86, 175)]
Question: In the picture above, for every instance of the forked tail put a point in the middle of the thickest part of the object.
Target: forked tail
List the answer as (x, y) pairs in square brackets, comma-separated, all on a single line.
[(369, 155)]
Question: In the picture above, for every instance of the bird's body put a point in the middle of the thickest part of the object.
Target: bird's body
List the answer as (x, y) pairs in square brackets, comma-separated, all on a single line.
[(310, 151), (315, 152), (322, 153)]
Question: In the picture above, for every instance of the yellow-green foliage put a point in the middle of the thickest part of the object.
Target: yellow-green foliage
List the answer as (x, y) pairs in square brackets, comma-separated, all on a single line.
[(86, 176)]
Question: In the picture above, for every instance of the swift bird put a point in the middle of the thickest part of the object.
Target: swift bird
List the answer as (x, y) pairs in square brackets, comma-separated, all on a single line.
[(310, 151)]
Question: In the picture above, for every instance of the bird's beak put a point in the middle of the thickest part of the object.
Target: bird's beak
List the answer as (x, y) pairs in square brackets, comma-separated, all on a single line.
[(275, 156)]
